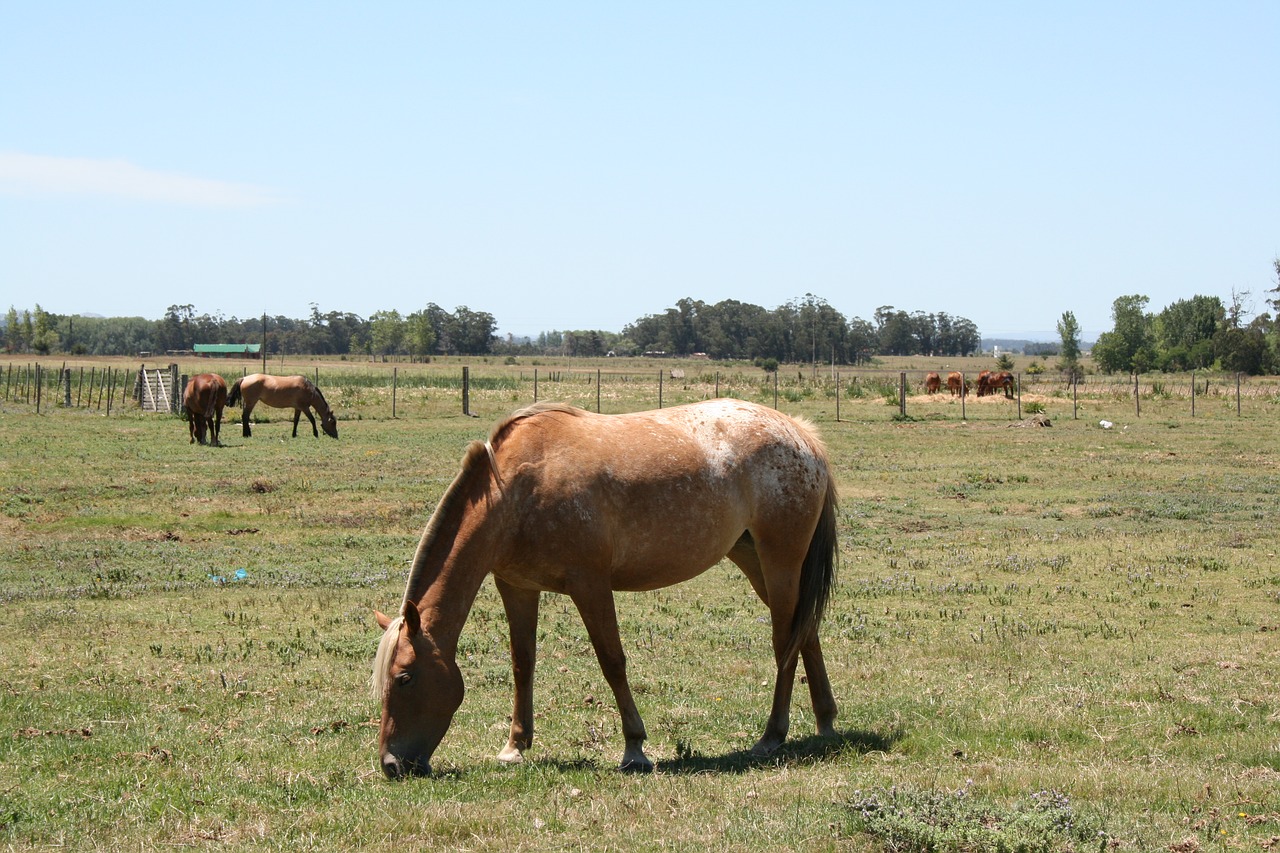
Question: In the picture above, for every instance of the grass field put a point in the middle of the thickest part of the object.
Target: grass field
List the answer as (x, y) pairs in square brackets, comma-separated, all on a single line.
[(1062, 638)]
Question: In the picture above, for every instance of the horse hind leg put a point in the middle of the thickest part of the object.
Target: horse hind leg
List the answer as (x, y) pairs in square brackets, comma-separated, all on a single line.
[(780, 592), (820, 693), (244, 419)]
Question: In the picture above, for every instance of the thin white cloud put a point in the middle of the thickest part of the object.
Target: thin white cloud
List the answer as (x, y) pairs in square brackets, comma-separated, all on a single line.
[(34, 174)]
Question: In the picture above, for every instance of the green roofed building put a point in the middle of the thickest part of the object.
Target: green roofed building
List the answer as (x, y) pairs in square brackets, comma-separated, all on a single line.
[(227, 350)]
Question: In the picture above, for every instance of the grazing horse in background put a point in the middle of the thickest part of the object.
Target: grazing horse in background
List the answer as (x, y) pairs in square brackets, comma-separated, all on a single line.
[(932, 383), (204, 397), (956, 384), (1001, 381), (284, 392), (989, 381), (582, 504)]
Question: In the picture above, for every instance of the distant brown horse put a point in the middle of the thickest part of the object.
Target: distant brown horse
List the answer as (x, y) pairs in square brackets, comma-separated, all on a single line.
[(284, 392), (956, 383), (204, 397), (932, 383), (581, 504), (990, 381)]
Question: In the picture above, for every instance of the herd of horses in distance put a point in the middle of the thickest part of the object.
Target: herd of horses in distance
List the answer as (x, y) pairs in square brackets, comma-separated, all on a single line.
[(560, 499), (206, 395), (989, 382)]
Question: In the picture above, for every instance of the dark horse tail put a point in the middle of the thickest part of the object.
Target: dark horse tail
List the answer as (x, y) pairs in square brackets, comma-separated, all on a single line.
[(817, 576), (233, 396)]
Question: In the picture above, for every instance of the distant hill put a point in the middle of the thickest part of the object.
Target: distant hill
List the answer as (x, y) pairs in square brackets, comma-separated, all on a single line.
[(1043, 346)]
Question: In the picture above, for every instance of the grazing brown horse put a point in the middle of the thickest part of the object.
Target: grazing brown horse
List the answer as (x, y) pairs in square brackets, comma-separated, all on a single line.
[(1001, 381), (932, 383), (956, 383), (581, 504), (204, 397), (284, 392), (989, 381)]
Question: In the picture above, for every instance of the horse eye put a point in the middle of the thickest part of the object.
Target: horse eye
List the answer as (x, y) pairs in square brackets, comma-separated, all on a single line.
[(404, 678)]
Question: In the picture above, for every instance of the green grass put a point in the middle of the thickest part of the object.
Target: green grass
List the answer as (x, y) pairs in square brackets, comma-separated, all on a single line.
[(1046, 639)]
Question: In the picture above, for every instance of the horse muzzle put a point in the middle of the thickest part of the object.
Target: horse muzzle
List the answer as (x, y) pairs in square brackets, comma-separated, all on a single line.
[(398, 768)]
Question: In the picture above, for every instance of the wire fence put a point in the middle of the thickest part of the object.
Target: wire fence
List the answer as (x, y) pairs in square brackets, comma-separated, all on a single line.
[(489, 390)]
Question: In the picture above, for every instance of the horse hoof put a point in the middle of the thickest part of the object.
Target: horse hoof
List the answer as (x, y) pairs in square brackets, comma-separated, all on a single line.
[(765, 747), (510, 755), (637, 765)]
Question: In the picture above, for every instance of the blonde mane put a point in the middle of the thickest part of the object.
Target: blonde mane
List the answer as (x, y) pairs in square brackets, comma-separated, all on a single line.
[(382, 660)]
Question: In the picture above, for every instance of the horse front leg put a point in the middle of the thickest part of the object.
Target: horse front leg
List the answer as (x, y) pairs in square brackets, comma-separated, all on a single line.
[(522, 618), (601, 619), (310, 417)]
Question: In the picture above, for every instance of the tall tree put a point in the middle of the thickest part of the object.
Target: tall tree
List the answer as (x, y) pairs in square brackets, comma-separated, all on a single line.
[(1069, 332), (386, 332), (472, 331), (1127, 347), (12, 332), (1184, 332)]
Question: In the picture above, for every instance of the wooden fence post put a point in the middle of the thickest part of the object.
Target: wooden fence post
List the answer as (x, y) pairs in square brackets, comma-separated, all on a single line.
[(902, 394), (66, 387), (1237, 395), (597, 390), (964, 393), (466, 390), (1137, 400), (1075, 395), (395, 381), (1193, 393), (659, 389), (837, 395)]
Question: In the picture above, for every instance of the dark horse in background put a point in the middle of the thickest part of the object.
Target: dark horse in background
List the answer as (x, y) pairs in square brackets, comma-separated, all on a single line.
[(204, 397), (284, 392)]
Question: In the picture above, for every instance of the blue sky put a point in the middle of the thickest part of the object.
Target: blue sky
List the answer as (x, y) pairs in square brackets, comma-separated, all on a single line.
[(580, 165)]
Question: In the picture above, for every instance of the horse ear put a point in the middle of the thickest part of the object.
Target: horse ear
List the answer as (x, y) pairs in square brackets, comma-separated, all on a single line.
[(384, 621), (412, 619)]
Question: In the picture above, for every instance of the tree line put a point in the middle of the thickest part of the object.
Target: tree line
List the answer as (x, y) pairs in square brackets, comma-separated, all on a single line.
[(1191, 334), (1196, 333), (431, 331), (805, 329)]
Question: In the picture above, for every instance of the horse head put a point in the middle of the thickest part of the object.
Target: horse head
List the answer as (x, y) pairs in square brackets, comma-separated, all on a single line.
[(420, 688), (329, 423)]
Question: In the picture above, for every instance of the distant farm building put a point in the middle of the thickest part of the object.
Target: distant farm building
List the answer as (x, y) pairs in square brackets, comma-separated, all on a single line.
[(227, 350)]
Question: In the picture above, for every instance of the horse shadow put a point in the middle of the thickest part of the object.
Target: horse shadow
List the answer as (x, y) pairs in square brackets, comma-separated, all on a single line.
[(812, 749)]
